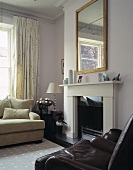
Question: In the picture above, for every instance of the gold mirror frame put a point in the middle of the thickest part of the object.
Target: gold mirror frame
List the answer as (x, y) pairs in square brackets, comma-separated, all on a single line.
[(103, 45)]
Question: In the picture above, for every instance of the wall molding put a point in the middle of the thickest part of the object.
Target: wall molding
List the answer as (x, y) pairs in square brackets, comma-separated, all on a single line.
[(10, 10), (65, 3)]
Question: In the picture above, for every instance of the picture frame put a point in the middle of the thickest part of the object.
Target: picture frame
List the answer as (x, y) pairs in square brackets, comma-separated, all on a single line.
[(80, 79), (62, 66)]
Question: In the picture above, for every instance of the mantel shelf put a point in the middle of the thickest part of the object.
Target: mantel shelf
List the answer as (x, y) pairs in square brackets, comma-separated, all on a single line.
[(93, 83)]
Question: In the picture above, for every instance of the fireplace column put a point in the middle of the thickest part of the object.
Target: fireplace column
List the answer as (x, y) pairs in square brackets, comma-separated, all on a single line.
[(73, 117)]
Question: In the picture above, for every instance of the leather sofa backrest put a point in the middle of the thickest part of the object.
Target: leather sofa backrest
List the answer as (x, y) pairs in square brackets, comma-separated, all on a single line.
[(113, 135), (120, 159)]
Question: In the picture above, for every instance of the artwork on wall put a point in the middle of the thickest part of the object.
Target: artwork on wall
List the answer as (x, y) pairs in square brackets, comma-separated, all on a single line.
[(62, 66)]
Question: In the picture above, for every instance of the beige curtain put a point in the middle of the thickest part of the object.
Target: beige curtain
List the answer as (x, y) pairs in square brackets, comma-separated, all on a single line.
[(25, 58)]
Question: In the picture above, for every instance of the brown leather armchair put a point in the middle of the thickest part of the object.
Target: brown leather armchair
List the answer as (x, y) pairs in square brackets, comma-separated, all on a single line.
[(113, 151)]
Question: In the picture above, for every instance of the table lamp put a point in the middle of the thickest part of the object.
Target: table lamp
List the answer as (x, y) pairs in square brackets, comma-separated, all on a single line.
[(54, 88)]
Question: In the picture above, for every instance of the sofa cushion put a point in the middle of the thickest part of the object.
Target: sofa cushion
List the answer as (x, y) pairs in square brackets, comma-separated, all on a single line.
[(5, 103), (34, 116), (20, 125), (20, 103), (10, 113), (81, 152)]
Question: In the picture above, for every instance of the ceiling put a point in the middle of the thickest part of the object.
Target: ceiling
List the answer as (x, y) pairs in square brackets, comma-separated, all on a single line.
[(49, 9)]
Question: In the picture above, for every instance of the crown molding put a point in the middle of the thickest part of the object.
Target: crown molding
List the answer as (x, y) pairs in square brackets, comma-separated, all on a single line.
[(11, 11), (60, 3), (59, 19), (65, 3)]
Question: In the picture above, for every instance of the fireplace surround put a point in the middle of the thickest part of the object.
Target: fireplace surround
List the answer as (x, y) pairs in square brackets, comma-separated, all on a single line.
[(107, 89)]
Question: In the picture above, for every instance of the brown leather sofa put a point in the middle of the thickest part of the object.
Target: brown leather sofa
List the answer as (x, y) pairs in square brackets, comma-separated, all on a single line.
[(113, 151)]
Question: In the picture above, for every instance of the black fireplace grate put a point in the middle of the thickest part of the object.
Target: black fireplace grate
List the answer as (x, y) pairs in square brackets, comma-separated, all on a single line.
[(93, 132)]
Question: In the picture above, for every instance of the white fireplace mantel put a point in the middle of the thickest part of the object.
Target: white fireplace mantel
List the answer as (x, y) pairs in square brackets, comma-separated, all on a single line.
[(108, 90)]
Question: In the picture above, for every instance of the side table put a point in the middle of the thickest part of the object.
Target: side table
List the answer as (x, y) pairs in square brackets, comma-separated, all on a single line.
[(47, 117), (51, 129), (57, 116)]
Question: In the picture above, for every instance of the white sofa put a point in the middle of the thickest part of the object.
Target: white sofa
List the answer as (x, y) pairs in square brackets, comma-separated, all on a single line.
[(17, 123)]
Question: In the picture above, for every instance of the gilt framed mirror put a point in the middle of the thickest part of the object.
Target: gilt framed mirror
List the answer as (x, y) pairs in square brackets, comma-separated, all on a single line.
[(91, 37)]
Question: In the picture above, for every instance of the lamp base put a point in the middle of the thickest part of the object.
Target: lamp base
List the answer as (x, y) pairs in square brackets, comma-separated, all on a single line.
[(54, 109)]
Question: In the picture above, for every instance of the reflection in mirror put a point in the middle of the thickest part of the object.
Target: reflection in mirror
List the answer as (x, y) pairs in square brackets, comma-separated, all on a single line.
[(91, 37)]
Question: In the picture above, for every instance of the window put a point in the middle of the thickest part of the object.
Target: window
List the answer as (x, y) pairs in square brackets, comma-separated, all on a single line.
[(89, 50), (5, 60)]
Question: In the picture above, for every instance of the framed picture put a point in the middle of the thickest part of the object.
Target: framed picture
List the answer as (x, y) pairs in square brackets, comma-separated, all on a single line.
[(80, 79), (62, 66)]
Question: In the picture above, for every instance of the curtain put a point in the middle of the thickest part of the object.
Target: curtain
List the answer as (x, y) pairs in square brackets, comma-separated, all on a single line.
[(25, 58)]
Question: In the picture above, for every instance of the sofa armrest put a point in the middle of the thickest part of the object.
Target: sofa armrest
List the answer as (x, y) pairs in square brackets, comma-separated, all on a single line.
[(62, 163), (34, 116), (113, 135), (103, 144)]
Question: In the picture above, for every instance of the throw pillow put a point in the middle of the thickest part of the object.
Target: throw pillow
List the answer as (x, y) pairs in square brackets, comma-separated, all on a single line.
[(5, 103), (10, 113), (20, 103)]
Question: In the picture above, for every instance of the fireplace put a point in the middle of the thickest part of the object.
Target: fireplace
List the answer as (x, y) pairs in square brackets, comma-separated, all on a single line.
[(108, 90), (90, 115)]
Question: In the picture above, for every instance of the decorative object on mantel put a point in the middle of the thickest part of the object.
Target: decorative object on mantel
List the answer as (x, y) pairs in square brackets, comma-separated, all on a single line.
[(100, 77), (106, 77), (116, 78), (43, 104), (70, 77), (65, 81), (74, 77), (80, 79), (54, 88)]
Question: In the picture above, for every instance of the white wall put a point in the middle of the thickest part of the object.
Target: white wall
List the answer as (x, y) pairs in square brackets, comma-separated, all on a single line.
[(120, 47), (120, 53), (51, 53), (59, 55), (47, 60)]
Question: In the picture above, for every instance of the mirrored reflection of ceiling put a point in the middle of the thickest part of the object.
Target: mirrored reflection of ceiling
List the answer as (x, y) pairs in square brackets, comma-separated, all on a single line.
[(49, 9), (90, 19), (87, 15)]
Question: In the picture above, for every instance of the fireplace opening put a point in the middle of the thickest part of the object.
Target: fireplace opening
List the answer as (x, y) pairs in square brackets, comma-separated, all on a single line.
[(90, 116)]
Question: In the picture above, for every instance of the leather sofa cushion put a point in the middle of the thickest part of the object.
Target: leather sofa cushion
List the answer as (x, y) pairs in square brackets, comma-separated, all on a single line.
[(85, 153), (81, 152), (20, 125)]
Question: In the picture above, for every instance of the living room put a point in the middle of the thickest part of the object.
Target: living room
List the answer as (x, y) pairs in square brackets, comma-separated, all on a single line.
[(58, 41)]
